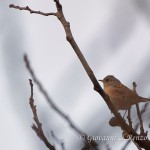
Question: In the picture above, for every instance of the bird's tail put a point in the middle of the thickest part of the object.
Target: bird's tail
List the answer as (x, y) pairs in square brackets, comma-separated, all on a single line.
[(145, 99)]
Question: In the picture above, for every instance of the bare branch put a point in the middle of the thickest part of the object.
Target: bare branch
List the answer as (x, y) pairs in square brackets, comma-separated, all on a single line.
[(38, 127), (140, 118), (31, 11), (53, 105), (58, 140), (138, 111), (129, 117), (136, 126), (66, 25), (145, 144), (49, 100)]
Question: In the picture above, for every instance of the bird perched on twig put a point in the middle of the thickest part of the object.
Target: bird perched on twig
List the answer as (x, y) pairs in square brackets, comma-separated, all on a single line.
[(120, 95)]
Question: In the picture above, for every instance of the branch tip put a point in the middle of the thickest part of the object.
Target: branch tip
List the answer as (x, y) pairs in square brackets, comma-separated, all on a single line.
[(98, 88), (30, 81), (11, 5), (27, 8)]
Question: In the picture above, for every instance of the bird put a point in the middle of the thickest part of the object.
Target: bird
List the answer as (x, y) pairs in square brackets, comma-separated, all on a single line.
[(121, 96)]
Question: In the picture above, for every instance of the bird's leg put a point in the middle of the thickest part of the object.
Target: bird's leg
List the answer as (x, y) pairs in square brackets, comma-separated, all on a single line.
[(140, 118), (129, 117), (125, 113), (138, 111)]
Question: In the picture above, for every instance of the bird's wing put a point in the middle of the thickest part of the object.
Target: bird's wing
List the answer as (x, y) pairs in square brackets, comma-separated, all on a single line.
[(133, 97), (119, 97)]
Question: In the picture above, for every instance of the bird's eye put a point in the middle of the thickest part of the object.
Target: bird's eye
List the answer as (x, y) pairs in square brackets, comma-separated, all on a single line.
[(107, 80)]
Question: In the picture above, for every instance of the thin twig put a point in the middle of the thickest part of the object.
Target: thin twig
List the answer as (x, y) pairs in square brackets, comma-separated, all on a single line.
[(136, 126), (140, 118), (138, 111), (38, 127), (53, 105), (47, 97), (129, 117), (31, 11), (145, 144), (58, 141)]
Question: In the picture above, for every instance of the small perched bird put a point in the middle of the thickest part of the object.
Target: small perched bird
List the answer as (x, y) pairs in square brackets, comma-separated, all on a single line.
[(120, 95)]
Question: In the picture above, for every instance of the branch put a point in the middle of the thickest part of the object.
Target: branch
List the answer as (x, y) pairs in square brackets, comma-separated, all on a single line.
[(142, 133), (38, 127), (129, 117), (58, 141), (53, 105), (140, 118), (136, 126), (66, 25), (49, 100), (138, 111), (144, 144), (31, 11)]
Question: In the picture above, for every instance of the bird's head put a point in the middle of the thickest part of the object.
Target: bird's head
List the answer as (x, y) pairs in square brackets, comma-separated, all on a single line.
[(110, 80)]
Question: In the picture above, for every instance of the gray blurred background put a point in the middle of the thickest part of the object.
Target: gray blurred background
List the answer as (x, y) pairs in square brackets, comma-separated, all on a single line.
[(114, 37)]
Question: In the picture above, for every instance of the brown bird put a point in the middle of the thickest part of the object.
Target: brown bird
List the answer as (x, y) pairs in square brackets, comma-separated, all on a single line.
[(120, 95)]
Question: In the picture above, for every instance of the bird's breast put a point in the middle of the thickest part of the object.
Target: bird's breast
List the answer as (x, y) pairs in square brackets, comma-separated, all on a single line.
[(111, 91), (117, 97)]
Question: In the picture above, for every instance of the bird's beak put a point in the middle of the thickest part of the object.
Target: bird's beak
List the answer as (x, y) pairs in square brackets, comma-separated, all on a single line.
[(100, 80)]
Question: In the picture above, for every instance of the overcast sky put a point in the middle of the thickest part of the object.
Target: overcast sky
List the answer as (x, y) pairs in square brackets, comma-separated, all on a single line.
[(114, 37)]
